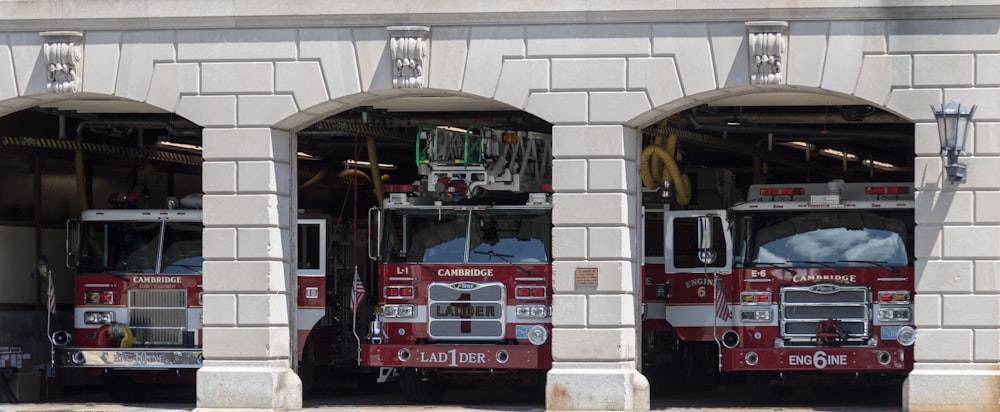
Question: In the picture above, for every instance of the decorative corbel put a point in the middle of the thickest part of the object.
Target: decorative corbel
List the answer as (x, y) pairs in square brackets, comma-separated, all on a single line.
[(767, 43), (409, 47), (64, 54)]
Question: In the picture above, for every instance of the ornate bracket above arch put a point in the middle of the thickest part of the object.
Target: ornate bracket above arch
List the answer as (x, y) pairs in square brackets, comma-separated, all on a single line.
[(766, 43), (409, 47), (64, 53)]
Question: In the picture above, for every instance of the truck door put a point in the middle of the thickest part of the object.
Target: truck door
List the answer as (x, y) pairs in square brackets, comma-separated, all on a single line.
[(696, 304), (681, 242)]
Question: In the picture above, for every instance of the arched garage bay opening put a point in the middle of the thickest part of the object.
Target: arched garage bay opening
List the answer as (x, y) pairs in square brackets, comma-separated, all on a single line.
[(439, 209), (750, 163)]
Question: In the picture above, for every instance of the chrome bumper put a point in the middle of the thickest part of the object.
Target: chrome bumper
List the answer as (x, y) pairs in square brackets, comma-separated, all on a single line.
[(148, 358)]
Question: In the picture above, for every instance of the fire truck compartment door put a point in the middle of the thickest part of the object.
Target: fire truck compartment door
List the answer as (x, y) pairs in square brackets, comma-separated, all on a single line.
[(680, 243)]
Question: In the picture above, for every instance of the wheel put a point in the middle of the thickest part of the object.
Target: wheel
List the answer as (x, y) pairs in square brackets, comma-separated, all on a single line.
[(122, 389), (420, 387), (705, 367), (307, 368), (696, 368), (759, 387)]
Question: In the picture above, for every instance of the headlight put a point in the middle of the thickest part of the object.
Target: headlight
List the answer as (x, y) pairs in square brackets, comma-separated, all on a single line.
[(532, 311), (397, 311), (894, 314), (98, 318), (537, 335), (755, 315)]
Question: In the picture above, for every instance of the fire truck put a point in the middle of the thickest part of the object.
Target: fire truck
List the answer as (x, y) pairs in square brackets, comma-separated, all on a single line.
[(464, 263), (137, 314), (804, 282)]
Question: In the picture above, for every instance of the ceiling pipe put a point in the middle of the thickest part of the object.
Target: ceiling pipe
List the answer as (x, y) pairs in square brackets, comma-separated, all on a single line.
[(803, 118), (136, 124), (802, 132)]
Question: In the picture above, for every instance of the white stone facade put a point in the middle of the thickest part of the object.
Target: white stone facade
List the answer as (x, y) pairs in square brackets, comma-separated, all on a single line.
[(253, 73)]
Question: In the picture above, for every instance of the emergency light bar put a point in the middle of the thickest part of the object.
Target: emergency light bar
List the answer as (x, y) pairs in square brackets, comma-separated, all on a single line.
[(400, 188), (527, 292), (782, 191), (887, 190), (403, 292)]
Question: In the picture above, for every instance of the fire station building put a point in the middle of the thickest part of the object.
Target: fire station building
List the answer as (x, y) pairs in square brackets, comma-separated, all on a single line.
[(253, 75)]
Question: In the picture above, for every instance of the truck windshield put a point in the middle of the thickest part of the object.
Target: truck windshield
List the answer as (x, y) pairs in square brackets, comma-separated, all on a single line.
[(135, 247), (467, 236), (825, 239)]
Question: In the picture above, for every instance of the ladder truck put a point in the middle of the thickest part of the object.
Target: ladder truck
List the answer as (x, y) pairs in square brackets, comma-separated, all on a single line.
[(464, 264)]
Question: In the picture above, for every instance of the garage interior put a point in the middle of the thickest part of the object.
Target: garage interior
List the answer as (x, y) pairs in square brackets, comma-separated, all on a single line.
[(131, 147)]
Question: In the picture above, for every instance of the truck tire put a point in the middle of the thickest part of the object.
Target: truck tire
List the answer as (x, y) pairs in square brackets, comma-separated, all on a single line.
[(307, 368), (759, 387), (122, 389), (420, 387)]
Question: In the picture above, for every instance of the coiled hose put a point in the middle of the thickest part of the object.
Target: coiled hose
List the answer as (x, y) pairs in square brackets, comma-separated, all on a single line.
[(659, 165)]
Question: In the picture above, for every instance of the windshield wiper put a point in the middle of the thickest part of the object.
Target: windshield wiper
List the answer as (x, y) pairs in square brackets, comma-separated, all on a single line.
[(502, 256), (881, 264), (776, 265), (491, 253), (828, 265)]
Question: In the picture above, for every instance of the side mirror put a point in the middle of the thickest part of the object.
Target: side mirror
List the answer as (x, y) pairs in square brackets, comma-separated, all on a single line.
[(43, 267), (706, 254), (374, 233)]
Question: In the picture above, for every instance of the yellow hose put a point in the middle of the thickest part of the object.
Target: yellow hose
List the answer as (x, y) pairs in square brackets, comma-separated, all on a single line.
[(373, 160), (659, 165), (313, 180), (348, 175), (127, 339)]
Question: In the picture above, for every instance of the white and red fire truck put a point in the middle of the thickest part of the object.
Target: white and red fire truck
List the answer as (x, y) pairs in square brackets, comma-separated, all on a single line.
[(798, 281), (137, 314), (464, 263)]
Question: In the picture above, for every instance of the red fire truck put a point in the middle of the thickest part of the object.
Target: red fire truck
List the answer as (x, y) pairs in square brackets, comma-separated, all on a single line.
[(137, 313), (464, 263), (811, 281)]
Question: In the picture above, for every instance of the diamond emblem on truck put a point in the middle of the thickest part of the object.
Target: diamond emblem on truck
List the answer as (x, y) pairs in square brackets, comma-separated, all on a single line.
[(464, 285), (824, 289)]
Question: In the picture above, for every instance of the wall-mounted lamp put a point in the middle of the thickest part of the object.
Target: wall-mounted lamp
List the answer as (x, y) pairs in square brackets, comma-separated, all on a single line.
[(953, 123)]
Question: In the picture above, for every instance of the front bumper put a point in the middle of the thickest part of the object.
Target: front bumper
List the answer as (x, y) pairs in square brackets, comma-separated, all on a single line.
[(129, 358), (457, 356), (818, 359)]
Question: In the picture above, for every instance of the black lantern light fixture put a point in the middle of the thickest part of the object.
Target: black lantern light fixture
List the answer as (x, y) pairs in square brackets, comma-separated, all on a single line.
[(953, 123)]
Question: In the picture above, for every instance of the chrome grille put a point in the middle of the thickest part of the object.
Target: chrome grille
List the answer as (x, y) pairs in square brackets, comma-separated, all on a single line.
[(466, 311), (803, 307), (157, 316)]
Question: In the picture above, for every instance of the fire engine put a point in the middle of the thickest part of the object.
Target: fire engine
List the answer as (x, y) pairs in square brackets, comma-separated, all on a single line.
[(464, 263), (811, 281), (137, 306)]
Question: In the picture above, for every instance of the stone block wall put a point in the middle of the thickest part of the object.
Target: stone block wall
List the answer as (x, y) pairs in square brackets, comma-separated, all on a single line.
[(596, 82)]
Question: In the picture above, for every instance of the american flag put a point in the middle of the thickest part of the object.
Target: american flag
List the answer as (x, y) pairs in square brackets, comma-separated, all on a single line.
[(359, 291), (52, 295), (721, 308)]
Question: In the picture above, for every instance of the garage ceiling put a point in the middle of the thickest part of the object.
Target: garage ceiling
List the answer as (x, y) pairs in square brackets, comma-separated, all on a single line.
[(796, 136)]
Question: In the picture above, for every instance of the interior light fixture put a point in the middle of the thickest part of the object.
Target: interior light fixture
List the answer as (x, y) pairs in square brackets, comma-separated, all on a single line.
[(798, 145), (839, 154), (453, 129), (878, 164), (351, 164), (306, 156), (175, 145)]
